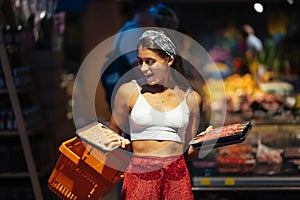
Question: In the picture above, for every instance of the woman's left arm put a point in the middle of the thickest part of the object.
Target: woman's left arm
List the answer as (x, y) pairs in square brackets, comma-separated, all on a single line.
[(194, 101)]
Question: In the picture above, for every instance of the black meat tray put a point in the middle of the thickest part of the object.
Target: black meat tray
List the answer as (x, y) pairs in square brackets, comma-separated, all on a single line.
[(213, 138)]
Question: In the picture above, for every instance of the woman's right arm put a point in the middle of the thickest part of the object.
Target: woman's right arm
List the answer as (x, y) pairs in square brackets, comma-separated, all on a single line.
[(120, 112)]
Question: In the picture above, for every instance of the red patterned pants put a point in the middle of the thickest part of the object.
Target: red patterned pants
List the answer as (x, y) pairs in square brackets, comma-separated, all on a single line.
[(157, 178)]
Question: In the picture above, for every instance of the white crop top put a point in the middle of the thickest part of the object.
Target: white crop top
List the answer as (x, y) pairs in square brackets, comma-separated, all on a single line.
[(147, 123)]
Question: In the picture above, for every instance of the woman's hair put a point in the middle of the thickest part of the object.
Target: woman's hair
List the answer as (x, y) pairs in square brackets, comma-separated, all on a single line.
[(154, 42)]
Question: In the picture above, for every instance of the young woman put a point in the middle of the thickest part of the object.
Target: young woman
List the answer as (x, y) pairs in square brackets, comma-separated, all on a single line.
[(163, 114)]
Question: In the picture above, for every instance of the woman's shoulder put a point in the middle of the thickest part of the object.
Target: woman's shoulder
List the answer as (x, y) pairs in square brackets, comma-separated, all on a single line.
[(127, 87), (128, 93), (193, 98)]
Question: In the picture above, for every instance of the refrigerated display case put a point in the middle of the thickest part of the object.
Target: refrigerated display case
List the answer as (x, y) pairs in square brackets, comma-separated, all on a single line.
[(275, 147)]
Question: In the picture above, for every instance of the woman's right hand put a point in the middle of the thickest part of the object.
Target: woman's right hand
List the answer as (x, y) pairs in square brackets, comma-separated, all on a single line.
[(113, 140)]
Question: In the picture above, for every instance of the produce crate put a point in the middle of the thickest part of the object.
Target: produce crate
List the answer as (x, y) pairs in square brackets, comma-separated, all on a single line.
[(84, 173)]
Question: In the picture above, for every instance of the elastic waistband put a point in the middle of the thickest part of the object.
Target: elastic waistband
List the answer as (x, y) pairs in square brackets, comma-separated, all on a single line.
[(168, 158)]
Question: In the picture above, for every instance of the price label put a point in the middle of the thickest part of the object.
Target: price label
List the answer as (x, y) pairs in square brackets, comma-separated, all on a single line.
[(229, 181), (205, 181)]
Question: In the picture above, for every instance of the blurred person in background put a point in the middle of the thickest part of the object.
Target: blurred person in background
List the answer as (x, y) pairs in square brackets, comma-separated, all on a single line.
[(146, 14), (253, 43)]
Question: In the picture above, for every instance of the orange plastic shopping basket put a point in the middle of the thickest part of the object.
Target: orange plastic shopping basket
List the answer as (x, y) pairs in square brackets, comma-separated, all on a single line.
[(84, 173)]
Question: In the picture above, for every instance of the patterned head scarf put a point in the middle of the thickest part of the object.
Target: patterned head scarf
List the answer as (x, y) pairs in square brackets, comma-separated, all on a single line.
[(163, 41)]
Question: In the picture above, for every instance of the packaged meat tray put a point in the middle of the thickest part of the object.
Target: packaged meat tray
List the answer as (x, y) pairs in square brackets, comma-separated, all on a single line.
[(291, 152), (222, 136), (235, 159)]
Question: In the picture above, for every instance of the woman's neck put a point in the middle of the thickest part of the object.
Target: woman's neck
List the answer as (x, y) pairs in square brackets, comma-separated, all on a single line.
[(157, 88)]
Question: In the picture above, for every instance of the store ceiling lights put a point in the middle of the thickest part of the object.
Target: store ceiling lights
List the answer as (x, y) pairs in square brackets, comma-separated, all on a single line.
[(258, 7), (42, 14)]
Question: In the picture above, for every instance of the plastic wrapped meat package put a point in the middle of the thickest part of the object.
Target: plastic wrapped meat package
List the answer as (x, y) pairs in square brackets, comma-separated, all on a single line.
[(235, 159), (268, 155), (269, 159)]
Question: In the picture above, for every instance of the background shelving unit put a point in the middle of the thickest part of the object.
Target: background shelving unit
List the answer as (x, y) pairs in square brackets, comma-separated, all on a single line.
[(22, 130)]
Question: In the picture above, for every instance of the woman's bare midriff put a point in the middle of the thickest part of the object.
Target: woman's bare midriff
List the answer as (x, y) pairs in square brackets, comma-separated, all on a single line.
[(157, 148)]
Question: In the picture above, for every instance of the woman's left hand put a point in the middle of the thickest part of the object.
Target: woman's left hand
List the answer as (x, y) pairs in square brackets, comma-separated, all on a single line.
[(193, 153)]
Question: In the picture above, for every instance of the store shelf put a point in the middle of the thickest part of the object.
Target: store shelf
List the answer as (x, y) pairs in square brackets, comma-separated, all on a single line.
[(5, 175), (19, 90), (30, 131), (14, 175), (263, 119), (246, 183)]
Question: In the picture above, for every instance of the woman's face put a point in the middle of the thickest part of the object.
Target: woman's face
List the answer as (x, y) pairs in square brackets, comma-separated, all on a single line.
[(155, 69)]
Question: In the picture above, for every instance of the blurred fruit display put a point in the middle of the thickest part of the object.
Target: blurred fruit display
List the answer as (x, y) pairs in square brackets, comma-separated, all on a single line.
[(244, 94)]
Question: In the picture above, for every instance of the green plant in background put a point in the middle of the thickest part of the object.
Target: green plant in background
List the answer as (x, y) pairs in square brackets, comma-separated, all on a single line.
[(270, 58)]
